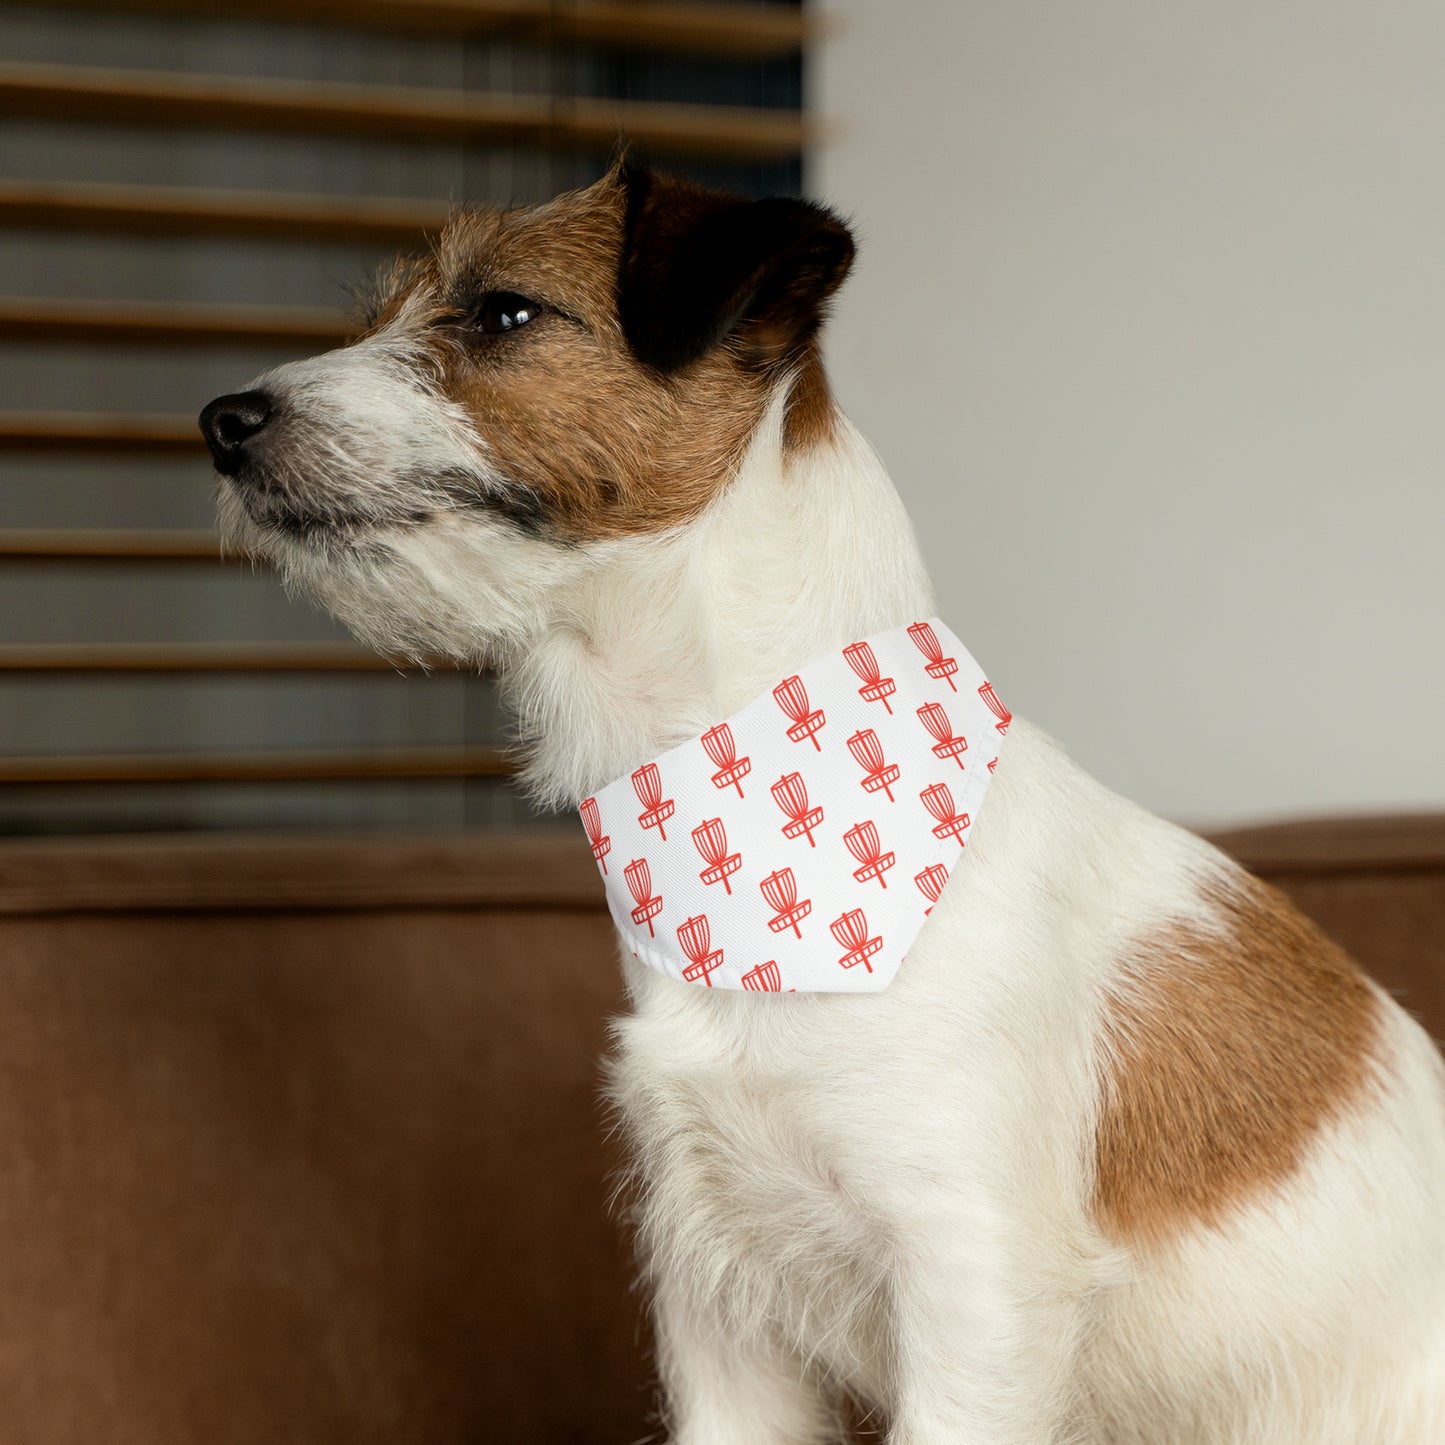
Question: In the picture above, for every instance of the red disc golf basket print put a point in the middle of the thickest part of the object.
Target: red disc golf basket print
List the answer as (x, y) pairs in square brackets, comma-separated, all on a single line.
[(938, 667), (865, 664), (731, 769), (930, 884), (1004, 716), (790, 793), (992, 764), (935, 719), (851, 931), (711, 840), (781, 891), (868, 753), (656, 810), (639, 884), (592, 821), (695, 936), (792, 697), (939, 801), (765, 978), (862, 841)]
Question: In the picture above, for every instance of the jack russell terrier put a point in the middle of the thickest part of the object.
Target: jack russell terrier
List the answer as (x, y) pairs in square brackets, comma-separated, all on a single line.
[(1126, 1151)]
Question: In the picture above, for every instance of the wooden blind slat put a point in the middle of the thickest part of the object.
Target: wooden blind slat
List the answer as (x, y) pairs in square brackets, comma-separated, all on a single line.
[(171, 323), (216, 102), (259, 767), (708, 29), (76, 544), (202, 657), (756, 32), (80, 431), (174, 210)]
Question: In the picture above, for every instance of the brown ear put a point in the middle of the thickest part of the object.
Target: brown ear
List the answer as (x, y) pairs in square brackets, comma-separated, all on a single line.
[(699, 266)]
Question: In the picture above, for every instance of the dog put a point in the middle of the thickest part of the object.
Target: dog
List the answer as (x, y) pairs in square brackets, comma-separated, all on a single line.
[(1128, 1152)]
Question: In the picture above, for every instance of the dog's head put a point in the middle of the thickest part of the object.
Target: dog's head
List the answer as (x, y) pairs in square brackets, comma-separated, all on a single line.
[(564, 376)]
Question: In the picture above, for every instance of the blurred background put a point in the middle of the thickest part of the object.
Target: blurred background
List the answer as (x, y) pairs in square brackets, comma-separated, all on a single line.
[(1146, 323), (1149, 324)]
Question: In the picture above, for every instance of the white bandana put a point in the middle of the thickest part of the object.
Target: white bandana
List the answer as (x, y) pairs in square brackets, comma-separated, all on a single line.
[(801, 844)]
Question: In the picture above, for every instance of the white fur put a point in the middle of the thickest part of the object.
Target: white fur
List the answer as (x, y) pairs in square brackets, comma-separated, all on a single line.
[(890, 1194)]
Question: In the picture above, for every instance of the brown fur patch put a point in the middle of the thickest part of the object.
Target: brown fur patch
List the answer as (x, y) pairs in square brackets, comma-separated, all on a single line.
[(812, 413), (604, 445), (609, 447), (1226, 1053)]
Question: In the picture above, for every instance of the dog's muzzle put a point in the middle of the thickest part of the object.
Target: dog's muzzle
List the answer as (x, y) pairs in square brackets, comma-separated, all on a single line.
[(230, 422)]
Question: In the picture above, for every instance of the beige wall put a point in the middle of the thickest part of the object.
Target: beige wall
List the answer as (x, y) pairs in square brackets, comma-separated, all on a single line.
[(1149, 323)]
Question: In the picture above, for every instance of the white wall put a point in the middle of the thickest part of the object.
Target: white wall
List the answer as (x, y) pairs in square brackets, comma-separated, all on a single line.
[(1149, 324)]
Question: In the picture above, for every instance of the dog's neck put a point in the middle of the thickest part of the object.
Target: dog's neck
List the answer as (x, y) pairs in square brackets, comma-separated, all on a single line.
[(664, 636)]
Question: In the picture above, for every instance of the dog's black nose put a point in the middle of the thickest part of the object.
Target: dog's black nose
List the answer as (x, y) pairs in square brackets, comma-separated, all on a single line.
[(229, 422)]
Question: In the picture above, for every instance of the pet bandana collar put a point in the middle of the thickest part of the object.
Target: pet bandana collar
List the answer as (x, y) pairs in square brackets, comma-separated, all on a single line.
[(800, 845)]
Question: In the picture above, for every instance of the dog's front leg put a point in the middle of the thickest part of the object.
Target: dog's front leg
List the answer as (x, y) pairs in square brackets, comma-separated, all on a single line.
[(984, 1344), (722, 1389)]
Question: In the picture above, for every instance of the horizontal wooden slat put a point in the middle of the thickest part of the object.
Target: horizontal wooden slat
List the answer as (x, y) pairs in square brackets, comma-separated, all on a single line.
[(130, 657), (75, 544), (759, 32), (700, 29), (218, 102), (258, 767), (171, 323), (174, 210), (84, 431)]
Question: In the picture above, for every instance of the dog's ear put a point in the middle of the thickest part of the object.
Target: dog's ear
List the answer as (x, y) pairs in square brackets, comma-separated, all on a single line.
[(699, 266)]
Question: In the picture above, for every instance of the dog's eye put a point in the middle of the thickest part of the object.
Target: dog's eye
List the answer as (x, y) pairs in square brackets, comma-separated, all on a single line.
[(504, 311)]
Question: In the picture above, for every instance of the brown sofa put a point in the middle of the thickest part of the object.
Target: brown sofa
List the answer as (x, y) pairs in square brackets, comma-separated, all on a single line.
[(301, 1138)]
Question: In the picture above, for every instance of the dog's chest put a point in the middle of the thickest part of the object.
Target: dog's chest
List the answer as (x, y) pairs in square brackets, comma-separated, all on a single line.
[(745, 1162)]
